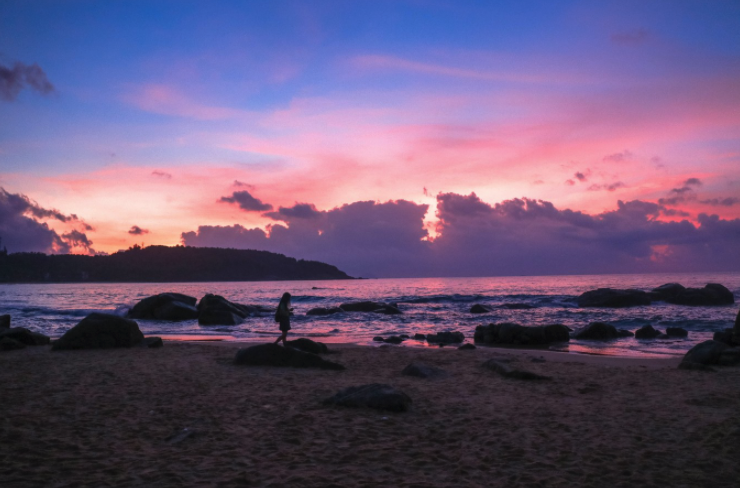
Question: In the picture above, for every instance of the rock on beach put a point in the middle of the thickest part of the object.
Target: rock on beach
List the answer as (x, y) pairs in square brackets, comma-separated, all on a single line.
[(274, 355), (100, 331), (375, 395)]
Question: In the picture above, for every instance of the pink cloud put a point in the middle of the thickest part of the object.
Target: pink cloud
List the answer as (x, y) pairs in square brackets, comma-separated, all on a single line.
[(168, 100)]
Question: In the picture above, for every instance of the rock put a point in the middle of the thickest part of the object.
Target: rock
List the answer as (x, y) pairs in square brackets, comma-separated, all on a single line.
[(647, 332), (597, 331), (25, 336), (216, 310), (724, 336), (612, 298), (152, 342), (446, 337), (420, 337), (365, 306), (509, 372), (479, 309), (378, 339), (736, 328), (100, 330), (729, 356), (374, 395), (667, 291), (515, 334), (467, 347), (712, 294), (8, 344), (388, 310), (515, 306), (5, 321), (423, 371), (625, 333), (404, 336), (165, 306), (707, 352), (389, 340), (676, 332), (324, 311), (307, 345), (274, 355)]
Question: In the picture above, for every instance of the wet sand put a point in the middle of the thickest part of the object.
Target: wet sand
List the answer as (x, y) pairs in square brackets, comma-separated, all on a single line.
[(117, 418)]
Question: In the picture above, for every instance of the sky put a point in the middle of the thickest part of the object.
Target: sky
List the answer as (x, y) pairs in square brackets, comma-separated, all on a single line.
[(389, 138)]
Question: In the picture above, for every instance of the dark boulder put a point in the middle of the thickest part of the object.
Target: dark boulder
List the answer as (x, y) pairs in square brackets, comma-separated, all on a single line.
[(366, 306), (217, 310), (707, 352), (423, 371), (446, 337), (165, 306), (324, 311), (613, 298), (625, 333), (711, 295), (25, 336), (152, 342), (477, 308), (5, 321), (676, 332), (736, 328), (515, 306), (420, 337), (647, 332), (101, 331), (667, 291), (725, 336), (274, 355), (389, 340), (515, 334), (8, 344), (597, 331), (307, 345), (467, 347), (507, 371), (374, 395)]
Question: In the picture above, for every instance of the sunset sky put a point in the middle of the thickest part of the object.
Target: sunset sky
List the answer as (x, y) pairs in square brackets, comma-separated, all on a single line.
[(398, 138)]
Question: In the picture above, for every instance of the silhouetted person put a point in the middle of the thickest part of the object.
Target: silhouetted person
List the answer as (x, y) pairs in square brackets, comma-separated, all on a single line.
[(282, 315)]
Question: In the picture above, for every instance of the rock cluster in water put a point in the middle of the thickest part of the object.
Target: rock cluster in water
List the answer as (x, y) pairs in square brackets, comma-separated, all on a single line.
[(711, 295), (211, 310), (363, 306)]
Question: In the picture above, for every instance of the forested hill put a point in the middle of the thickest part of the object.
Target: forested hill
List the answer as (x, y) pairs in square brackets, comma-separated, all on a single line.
[(162, 263)]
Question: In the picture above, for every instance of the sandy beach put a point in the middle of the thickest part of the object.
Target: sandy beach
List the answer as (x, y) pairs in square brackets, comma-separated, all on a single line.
[(117, 418)]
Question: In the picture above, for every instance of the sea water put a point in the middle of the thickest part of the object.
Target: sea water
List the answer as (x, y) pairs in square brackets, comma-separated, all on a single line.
[(428, 305)]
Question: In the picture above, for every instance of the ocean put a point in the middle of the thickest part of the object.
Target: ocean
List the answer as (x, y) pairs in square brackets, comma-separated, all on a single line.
[(428, 305)]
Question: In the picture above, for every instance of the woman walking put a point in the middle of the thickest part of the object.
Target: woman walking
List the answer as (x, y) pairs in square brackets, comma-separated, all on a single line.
[(282, 315)]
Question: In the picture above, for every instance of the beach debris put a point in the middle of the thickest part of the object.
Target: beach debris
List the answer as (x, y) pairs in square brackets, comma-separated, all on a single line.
[(152, 342), (446, 337), (274, 355), (597, 331), (508, 372), (307, 345), (165, 306), (8, 344), (477, 308), (515, 334), (5, 321), (324, 311), (369, 306), (647, 332), (421, 370), (100, 330), (389, 340), (467, 347), (375, 395), (613, 298), (705, 353), (25, 336)]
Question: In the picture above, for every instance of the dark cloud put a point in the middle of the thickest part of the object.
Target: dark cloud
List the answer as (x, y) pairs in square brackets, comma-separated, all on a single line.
[(22, 232), (240, 184), (13, 80), (297, 211), (692, 182), (137, 231), (474, 238), (247, 202), (580, 176), (632, 37), (162, 174), (721, 202)]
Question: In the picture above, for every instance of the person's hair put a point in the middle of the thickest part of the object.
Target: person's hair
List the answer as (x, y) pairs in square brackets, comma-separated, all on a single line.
[(285, 299)]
